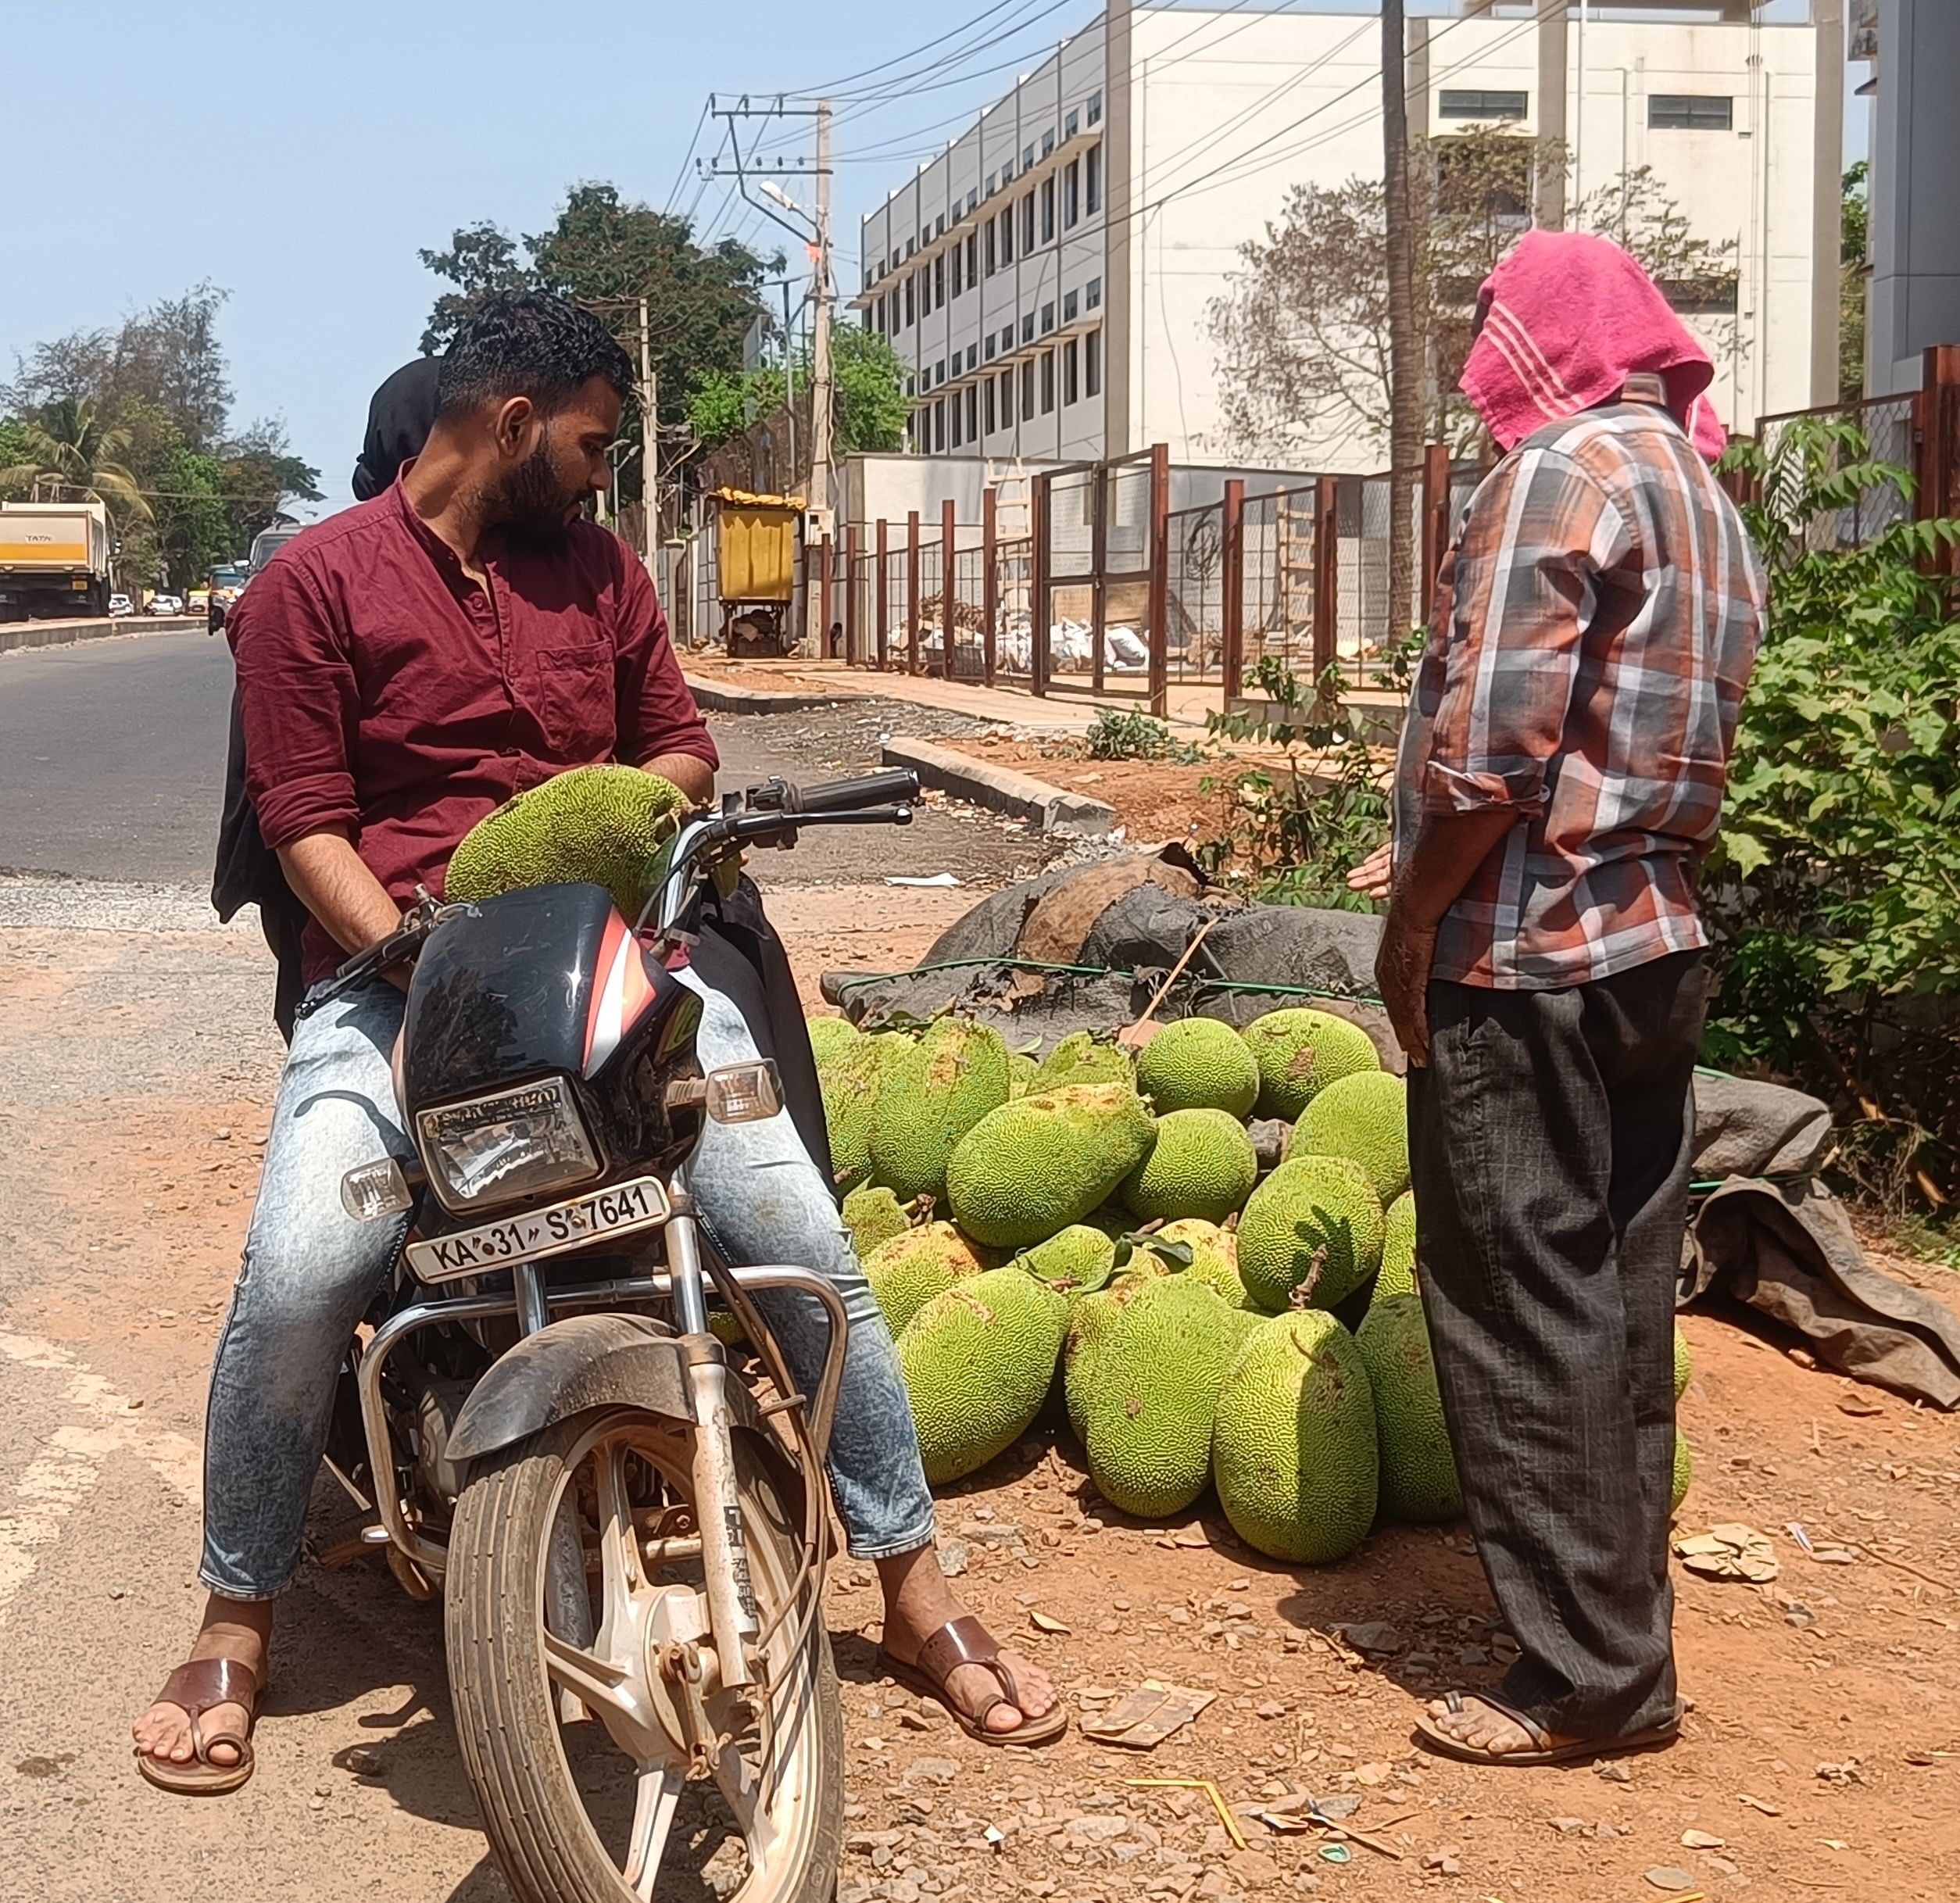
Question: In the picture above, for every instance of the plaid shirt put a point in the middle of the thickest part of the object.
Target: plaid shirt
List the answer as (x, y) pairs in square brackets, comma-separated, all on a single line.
[(1585, 666)]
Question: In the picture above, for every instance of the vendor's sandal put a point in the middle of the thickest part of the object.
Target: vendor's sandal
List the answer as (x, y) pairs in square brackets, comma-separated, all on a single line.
[(966, 1642), (196, 1688), (1546, 1747)]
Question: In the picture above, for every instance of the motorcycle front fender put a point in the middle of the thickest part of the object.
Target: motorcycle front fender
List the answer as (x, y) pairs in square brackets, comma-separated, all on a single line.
[(573, 1366)]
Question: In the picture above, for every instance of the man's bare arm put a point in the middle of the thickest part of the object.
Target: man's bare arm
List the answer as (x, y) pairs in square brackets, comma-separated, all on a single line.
[(689, 771), (330, 879)]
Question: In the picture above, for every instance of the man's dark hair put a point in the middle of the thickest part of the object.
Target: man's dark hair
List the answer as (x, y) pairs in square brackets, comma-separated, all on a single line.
[(527, 344)]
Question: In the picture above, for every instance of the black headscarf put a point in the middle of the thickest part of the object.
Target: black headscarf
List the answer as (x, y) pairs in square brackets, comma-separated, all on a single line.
[(399, 419)]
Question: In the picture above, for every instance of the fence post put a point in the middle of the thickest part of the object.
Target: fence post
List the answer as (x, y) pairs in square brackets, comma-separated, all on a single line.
[(1160, 579), (911, 591), (948, 576), (1231, 603), (824, 555), (1936, 455), (1327, 600), (883, 610), (989, 583), (853, 638), (1435, 520), (1038, 586)]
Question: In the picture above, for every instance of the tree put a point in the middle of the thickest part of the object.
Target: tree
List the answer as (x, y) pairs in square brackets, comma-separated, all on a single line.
[(1405, 396), (1852, 266), (72, 453), (261, 478), (1303, 329), (868, 387)]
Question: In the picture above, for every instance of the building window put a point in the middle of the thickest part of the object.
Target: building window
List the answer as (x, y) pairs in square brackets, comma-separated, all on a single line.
[(877, 310), (1068, 307), (1092, 180), (1007, 174), (1092, 297), (1095, 112), (973, 259), (1092, 364), (973, 199), (954, 406), (973, 412), (987, 250), (925, 236), (909, 317), (1700, 297), (1047, 143), (1007, 236), (1047, 319), (938, 371), (1691, 112), (1007, 400), (1027, 224), (1007, 337), (958, 258), (939, 425), (1028, 390), (924, 276), (939, 279), (938, 227), (1071, 125), (1071, 194), (1072, 378), (973, 356), (1048, 211), (986, 399), (1028, 328), (992, 183), (993, 344), (1048, 383), (1027, 156), (910, 248), (1472, 102)]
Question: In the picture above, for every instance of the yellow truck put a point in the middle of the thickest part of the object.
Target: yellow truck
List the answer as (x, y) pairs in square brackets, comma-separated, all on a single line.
[(54, 560)]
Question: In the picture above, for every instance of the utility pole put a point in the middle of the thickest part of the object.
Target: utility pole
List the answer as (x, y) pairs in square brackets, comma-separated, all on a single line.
[(650, 450), (1405, 369), (820, 376)]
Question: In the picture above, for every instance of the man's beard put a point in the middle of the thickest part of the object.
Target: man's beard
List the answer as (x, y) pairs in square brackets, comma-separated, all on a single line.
[(532, 507)]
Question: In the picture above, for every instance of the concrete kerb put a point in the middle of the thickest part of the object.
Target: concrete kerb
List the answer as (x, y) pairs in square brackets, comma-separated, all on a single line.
[(717, 697), (1000, 789), (17, 636)]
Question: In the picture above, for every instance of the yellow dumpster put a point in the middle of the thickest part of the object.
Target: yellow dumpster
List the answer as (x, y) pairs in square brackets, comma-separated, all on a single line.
[(755, 552)]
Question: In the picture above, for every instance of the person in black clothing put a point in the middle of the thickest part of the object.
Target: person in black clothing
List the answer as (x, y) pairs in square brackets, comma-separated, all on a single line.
[(400, 416)]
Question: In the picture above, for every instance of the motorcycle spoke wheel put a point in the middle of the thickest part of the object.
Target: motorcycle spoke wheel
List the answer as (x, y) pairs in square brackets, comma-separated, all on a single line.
[(573, 1722)]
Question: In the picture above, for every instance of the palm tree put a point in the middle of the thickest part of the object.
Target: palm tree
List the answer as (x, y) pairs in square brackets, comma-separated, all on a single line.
[(70, 448)]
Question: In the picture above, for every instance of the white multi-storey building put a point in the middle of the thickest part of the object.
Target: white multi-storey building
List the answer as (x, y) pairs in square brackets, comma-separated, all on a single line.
[(1047, 280)]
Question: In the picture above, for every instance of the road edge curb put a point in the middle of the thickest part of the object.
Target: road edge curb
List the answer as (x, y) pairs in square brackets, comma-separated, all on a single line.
[(717, 697), (24, 637), (1000, 789)]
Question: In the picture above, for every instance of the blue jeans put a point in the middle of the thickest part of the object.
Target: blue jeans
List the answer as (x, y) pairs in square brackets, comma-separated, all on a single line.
[(310, 1271)]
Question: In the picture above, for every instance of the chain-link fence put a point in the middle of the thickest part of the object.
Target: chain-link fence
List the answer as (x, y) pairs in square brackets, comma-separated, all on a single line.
[(1888, 426)]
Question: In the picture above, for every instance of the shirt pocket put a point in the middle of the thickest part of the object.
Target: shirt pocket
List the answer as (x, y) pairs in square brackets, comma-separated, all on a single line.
[(576, 706)]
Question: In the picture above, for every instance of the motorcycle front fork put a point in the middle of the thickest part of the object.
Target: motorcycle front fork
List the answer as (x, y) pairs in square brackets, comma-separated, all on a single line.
[(732, 1617)]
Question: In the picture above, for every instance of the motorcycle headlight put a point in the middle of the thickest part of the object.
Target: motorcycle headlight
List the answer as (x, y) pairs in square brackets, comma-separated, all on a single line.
[(504, 1148)]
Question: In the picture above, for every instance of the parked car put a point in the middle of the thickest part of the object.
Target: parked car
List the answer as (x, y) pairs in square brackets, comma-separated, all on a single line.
[(121, 605), (165, 604), (198, 601)]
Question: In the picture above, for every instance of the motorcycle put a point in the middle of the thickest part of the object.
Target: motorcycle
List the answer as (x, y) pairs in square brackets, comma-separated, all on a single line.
[(629, 1530)]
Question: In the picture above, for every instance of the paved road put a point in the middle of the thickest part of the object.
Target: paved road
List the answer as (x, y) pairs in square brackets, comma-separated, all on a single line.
[(111, 763)]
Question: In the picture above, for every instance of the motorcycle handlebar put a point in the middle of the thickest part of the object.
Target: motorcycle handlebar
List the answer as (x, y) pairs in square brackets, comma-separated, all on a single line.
[(896, 786)]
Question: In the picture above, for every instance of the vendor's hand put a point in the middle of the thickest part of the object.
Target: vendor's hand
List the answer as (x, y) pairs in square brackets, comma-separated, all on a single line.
[(1371, 878), (1402, 974)]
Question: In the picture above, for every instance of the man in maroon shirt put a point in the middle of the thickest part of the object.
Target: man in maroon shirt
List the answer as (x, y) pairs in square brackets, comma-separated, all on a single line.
[(404, 668)]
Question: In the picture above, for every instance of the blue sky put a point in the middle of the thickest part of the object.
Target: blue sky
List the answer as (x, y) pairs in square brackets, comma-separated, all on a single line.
[(299, 155)]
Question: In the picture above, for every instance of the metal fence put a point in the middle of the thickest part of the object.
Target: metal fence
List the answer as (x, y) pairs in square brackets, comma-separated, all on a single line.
[(1890, 426)]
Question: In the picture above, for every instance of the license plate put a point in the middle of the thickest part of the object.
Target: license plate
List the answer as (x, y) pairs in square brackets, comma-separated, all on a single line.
[(640, 1204)]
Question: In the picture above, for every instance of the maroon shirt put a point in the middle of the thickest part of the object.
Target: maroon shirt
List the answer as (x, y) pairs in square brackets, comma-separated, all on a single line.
[(385, 694)]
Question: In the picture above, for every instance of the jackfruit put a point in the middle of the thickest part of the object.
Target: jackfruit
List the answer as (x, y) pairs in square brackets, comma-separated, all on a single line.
[(1021, 1073), (1214, 1256), (831, 1036), (1684, 1363), (1199, 1064), (1683, 1473), (1299, 1053), (1418, 1469), (936, 1092), (977, 1362), (1075, 1261), (907, 1271), (1364, 1115), (1293, 1440), (850, 1080), (1313, 1224), (1043, 1161), (1081, 1058), (1201, 1165), (608, 826), (1090, 1321), (1398, 1249), (874, 1216), (1153, 1382)]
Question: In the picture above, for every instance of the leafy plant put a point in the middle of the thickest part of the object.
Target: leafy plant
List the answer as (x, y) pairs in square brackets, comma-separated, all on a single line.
[(1292, 837), (1131, 735), (1836, 885)]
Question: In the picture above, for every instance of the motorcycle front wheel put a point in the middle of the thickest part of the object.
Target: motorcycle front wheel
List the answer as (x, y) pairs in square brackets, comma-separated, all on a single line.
[(569, 1714)]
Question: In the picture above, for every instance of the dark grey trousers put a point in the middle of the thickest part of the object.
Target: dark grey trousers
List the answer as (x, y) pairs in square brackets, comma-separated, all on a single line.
[(1550, 1139)]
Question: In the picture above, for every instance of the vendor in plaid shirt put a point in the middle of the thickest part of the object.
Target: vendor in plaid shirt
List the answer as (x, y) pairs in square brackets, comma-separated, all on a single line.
[(1544, 963)]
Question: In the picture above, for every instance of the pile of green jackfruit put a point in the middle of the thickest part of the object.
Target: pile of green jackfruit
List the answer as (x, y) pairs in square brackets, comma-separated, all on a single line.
[(1092, 1238)]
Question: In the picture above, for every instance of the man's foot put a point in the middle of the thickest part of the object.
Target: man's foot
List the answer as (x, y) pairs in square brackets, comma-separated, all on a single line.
[(918, 1605), (236, 1630), (1482, 1731), (1487, 1730)]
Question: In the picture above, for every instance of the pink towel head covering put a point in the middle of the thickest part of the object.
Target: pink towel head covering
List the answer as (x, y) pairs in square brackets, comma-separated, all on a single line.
[(1571, 316)]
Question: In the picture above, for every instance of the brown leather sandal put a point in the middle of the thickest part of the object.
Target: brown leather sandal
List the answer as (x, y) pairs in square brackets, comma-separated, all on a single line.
[(1546, 1747), (197, 1687), (966, 1642)]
